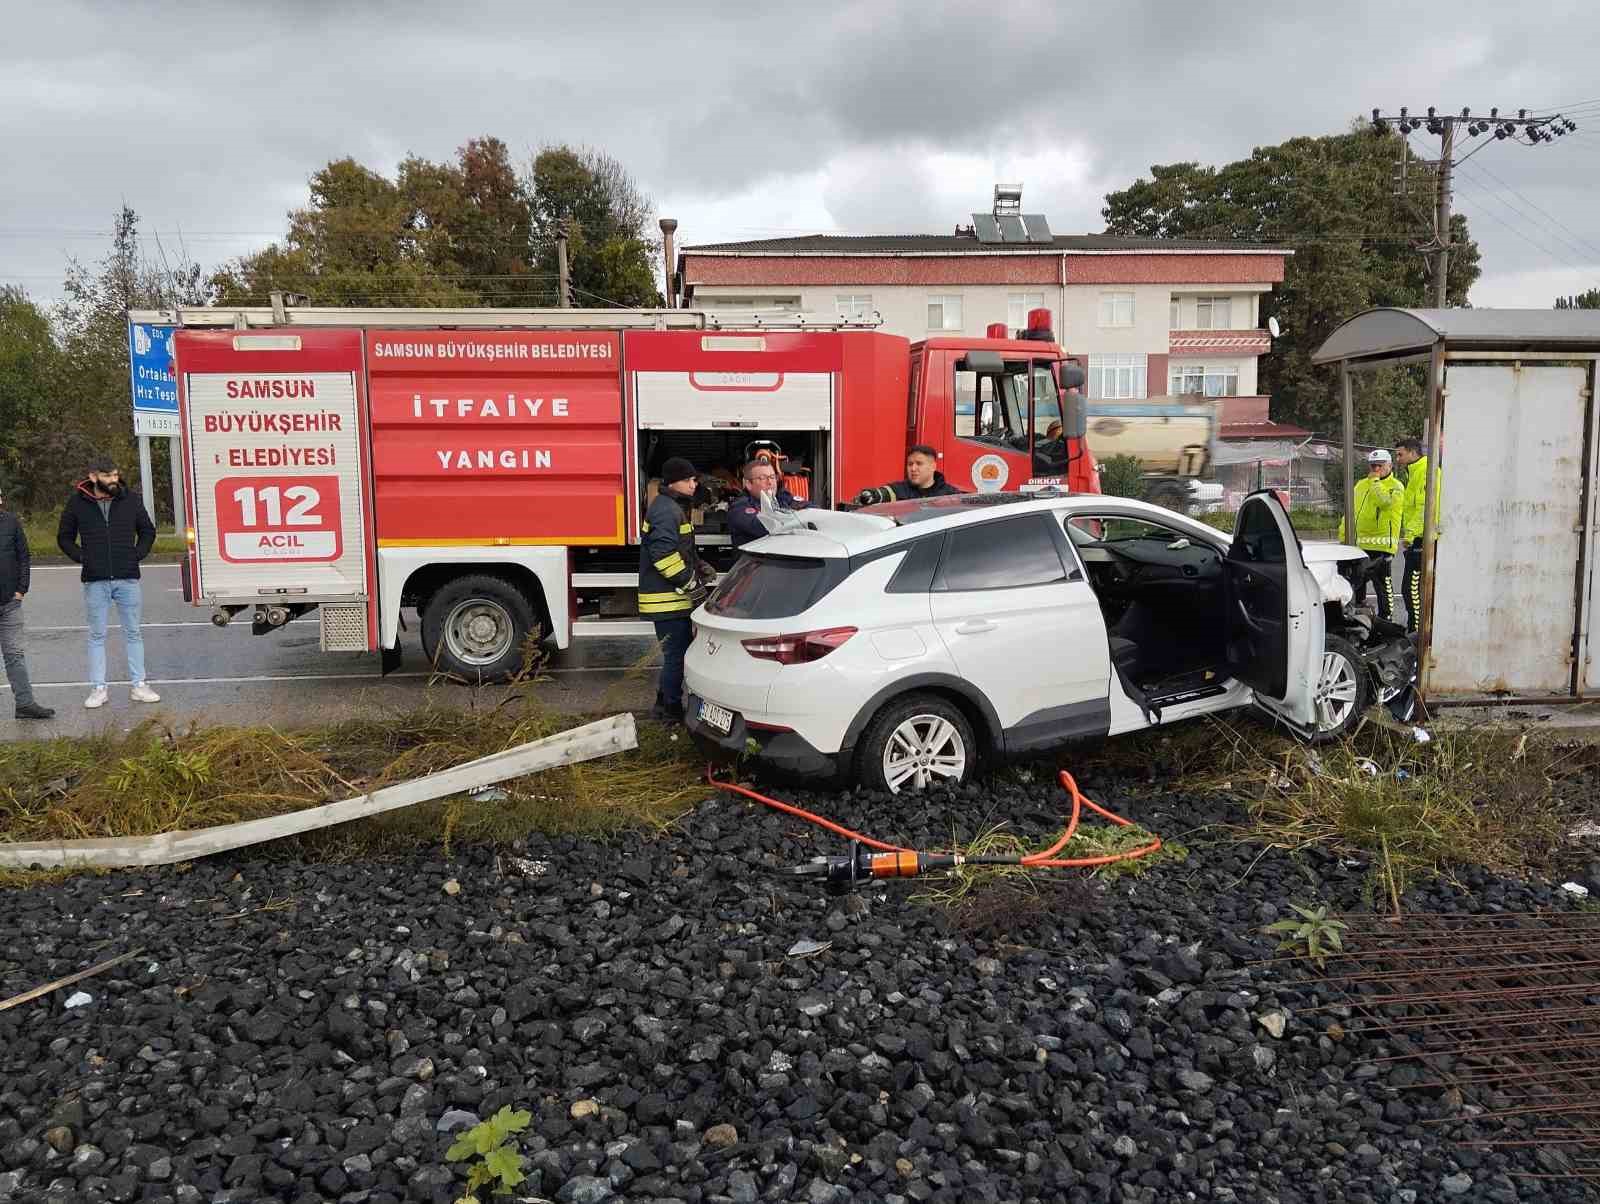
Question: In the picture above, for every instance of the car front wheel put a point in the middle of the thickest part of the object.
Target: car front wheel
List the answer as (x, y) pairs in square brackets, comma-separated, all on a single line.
[(917, 742), (1343, 691)]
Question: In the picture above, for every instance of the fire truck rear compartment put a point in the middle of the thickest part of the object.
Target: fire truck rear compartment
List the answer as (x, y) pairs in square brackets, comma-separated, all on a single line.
[(599, 573), (720, 456)]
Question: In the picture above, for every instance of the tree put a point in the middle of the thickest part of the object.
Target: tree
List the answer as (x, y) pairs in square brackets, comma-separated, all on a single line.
[(1331, 200), (610, 251), (88, 407), (29, 363), (438, 234), (1588, 300)]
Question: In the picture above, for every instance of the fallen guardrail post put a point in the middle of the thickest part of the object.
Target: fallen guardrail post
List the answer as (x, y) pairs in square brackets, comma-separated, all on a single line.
[(585, 743)]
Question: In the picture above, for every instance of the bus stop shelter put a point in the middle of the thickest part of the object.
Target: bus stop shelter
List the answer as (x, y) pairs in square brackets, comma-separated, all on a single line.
[(1510, 597)]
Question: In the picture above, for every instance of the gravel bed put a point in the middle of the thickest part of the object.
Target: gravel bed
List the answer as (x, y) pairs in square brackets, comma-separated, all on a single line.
[(297, 1032)]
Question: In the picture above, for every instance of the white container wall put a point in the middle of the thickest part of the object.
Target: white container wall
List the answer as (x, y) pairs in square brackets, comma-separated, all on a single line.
[(1512, 531)]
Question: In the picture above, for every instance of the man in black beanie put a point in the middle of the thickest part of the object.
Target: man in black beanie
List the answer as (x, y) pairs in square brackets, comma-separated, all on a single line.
[(672, 581)]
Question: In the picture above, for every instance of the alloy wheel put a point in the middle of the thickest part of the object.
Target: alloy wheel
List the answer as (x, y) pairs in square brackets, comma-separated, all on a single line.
[(921, 750), (1337, 691)]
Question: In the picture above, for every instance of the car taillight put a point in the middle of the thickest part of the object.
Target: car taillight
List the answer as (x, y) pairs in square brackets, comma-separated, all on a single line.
[(798, 649)]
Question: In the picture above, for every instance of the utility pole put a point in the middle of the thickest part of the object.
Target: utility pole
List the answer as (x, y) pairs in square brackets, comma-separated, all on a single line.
[(563, 279), (1528, 131), (1441, 217)]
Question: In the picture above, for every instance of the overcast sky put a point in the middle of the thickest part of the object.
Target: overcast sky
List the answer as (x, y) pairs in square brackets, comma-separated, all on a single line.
[(753, 120)]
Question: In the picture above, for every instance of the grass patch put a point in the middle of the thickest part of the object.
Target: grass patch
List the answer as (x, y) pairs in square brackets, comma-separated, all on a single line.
[(158, 778), (1497, 799), (957, 888)]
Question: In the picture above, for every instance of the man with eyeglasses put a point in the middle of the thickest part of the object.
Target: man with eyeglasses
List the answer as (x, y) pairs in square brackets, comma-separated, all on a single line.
[(744, 514)]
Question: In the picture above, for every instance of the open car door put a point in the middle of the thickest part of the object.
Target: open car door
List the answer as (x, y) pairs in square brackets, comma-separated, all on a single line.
[(1276, 629)]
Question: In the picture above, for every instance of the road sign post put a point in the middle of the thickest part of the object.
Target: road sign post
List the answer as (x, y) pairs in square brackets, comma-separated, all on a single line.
[(154, 383)]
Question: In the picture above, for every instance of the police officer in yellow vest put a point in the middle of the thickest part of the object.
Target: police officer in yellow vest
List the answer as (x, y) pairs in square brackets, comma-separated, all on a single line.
[(1379, 499), (672, 581), (1408, 454)]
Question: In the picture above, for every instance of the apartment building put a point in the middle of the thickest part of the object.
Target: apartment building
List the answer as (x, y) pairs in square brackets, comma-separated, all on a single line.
[(1155, 317)]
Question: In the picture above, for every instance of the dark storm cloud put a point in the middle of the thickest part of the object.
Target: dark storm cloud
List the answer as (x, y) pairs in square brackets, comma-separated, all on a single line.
[(872, 116)]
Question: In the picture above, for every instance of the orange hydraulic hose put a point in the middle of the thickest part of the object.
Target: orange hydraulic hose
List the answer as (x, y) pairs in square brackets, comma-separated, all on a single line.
[(1046, 860)]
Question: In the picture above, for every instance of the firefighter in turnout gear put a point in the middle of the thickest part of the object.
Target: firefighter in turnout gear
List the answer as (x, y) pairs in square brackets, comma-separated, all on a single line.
[(1379, 500), (1408, 454), (672, 581)]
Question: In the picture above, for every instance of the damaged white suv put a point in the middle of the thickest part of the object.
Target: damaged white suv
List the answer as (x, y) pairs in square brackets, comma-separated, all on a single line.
[(910, 643)]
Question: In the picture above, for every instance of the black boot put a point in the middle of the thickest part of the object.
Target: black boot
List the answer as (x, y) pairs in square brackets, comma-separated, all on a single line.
[(33, 710)]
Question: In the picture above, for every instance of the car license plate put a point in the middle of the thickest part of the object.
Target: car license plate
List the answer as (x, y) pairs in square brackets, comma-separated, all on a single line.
[(718, 717)]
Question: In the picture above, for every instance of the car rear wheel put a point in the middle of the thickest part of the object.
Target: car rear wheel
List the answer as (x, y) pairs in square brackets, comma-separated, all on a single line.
[(917, 742), (1343, 691)]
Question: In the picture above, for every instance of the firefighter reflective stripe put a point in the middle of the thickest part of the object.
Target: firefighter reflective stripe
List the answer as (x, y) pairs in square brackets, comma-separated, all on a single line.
[(685, 528), (657, 604), (671, 566)]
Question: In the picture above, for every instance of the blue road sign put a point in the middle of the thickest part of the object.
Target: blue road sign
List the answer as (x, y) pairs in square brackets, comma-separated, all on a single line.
[(155, 385)]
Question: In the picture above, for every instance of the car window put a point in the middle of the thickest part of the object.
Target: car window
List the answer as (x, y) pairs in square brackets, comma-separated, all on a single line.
[(775, 587), (1009, 554), (1257, 537), (1084, 528)]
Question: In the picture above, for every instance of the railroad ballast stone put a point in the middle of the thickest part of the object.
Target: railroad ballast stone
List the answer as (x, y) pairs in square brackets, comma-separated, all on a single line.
[(1082, 1040)]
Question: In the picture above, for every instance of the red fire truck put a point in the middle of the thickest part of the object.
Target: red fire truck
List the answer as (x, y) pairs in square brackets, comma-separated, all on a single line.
[(488, 468)]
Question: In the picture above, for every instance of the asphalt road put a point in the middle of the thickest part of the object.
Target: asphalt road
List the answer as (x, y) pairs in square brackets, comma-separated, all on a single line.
[(227, 675)]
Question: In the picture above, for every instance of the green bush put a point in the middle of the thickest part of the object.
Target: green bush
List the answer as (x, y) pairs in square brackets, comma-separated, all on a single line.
[(1122, 476)]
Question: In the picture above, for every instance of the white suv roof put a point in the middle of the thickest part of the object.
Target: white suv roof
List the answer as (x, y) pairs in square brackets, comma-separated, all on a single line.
[(829, 533)]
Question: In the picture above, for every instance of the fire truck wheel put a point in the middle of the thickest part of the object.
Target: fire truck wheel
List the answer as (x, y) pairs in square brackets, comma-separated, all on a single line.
[(476, 628)]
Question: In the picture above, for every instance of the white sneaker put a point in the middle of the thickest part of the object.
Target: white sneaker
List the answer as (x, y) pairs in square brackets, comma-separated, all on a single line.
[(97, 698), (143, 693)]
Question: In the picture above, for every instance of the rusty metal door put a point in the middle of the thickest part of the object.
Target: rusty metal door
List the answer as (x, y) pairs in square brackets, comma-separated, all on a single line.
[(1511, 530)]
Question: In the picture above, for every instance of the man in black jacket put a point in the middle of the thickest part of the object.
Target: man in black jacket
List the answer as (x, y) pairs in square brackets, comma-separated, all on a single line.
[(744, 513), (923, 479), (14, 582), (672, 581), (105, 529)]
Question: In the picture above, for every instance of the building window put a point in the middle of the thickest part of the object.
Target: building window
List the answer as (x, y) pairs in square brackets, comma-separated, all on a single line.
[(1207, 380), (1019, 305), (853, 306), (944, 311), (1213, 313), (1117, 377), (1116, 309), (1175, 314)]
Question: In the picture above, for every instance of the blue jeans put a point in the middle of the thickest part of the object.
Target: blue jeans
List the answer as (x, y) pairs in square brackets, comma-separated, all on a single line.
[(97, 599), (675, 636)]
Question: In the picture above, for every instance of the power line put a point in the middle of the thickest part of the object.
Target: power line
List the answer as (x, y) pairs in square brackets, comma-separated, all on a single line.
[(1561, 230), (1522, 128)]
